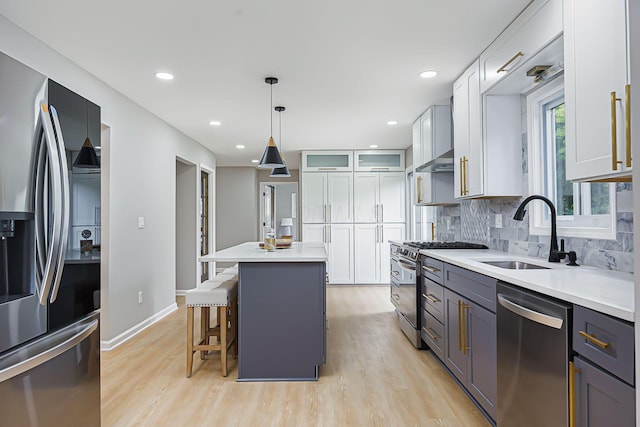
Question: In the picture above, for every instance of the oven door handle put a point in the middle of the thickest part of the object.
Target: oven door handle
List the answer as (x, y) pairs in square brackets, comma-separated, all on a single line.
[(406, 266)]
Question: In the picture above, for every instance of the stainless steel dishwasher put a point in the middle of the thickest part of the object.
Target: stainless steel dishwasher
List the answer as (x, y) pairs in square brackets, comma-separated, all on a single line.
[(533, 359)]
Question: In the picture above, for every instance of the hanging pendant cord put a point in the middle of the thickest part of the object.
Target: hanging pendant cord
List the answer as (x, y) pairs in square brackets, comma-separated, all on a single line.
[(280, 129), (86, 109), (271, 109)]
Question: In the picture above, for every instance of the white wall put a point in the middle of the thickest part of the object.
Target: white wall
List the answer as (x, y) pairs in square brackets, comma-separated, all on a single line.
[(141, 175), (236, 206), (186, 222)]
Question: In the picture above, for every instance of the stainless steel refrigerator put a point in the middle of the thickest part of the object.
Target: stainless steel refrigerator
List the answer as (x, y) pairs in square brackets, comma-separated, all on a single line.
[(49, 370)]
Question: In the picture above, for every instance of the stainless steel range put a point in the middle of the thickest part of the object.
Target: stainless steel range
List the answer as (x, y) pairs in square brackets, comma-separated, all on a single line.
[(405, 282)]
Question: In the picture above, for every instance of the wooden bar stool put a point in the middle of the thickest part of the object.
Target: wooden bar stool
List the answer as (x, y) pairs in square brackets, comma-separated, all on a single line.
[(222, 294)]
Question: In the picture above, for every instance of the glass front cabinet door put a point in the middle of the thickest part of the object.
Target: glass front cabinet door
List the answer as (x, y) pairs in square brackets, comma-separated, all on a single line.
[(379, 160), (327, 161)]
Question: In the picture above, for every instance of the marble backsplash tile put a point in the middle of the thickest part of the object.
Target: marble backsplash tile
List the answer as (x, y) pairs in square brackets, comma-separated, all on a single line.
[(474, 221)]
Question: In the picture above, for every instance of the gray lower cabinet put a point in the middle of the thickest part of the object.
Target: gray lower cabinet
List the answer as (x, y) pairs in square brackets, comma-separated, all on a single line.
[(470, 348), (603, 370), (281, 320), (602, 400)]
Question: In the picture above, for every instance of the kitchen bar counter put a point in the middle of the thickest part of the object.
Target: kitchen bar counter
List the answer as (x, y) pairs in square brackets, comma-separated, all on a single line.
[(606, 291), (251, 252), (282, 306)]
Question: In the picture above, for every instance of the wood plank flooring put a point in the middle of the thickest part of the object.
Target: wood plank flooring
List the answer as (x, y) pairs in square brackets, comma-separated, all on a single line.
[(373, 377)]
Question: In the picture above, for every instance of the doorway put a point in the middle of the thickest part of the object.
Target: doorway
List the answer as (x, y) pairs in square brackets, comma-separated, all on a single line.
[(278, 202), (186, 225)]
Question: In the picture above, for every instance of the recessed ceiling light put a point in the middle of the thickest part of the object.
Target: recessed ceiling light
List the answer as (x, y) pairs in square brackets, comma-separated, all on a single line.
[(392, 122), (255, 161), (164, 76), (373, 146), (215, 123), (428, 74), (240, 147)]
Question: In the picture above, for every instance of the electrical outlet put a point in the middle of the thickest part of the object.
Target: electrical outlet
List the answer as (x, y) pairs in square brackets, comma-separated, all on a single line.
[(139, 297), (498, 220), (140, 222)]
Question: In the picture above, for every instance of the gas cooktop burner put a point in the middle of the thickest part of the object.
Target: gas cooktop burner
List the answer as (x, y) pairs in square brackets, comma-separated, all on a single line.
[(445, 245)]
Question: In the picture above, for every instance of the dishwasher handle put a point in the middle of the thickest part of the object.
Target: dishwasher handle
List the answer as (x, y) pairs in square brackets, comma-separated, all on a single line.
[(527, 313)]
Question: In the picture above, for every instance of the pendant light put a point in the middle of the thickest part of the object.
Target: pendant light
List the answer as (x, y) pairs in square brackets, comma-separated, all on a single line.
[(271, 157), (87, 158), (282, 172)]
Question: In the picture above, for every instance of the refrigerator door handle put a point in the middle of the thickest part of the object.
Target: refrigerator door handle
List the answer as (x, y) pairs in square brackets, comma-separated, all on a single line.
[(49, 271), (64, 177), (527, 313), (41, 358)]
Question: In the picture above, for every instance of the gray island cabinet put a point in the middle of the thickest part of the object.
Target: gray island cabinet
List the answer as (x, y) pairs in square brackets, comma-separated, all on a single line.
[(282, 310)]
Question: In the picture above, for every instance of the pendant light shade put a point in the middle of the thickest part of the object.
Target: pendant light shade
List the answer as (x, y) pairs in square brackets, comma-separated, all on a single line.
[(282, 172), (271, 157), (87, 158)]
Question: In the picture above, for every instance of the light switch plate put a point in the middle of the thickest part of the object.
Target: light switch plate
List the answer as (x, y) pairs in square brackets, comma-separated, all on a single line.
[(140, 222)]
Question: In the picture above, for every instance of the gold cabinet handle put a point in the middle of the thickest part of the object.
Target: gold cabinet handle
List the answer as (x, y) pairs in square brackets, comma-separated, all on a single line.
[(614, 133), (431, 334), (464, 307), (627, 127), (431, 298), (433, 231), (504, 67), (592, 338), (419, 189)]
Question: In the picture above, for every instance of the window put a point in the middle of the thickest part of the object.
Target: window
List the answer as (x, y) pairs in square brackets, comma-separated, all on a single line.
[(584, 209)]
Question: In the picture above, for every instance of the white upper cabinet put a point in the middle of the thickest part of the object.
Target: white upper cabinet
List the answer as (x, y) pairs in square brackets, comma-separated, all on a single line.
[(432, 138), (467, 133), (392, 195), (340, 197), (417, 143), (327, 161), (327, 197), (435, 188), (487, 140), (379, 160), (531, 31), (85, 202), (379, 197), (597, 91), (314, 193)]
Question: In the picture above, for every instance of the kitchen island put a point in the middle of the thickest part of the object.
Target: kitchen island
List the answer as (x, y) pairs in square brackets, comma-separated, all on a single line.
[(282, 315)]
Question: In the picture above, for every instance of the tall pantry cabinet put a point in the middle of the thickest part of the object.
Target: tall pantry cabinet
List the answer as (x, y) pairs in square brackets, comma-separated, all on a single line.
[(354, 213)]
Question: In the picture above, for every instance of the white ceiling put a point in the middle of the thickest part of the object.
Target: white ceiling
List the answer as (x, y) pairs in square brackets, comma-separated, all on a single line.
[(346, 67)]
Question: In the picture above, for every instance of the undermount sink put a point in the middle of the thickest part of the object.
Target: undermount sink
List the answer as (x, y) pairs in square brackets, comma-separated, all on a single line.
[(515, 265)]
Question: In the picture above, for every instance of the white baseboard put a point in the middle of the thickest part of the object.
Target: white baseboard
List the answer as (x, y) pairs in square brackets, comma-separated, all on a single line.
[(133, 331), (181, 292)]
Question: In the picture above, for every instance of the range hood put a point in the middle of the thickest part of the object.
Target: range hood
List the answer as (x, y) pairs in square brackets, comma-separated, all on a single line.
[(443, 163)]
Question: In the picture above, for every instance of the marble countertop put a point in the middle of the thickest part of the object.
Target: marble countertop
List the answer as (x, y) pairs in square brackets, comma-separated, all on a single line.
[(606, 291), (251, 252)]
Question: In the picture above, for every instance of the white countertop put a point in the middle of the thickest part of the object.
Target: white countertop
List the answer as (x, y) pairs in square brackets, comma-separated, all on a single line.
[(606, 291), (251, 252)]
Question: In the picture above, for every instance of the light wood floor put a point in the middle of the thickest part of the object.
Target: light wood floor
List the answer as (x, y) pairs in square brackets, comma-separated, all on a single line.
[(373, 377)]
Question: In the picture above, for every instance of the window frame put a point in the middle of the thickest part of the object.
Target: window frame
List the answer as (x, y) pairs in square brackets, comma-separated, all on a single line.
[(591, 227)]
